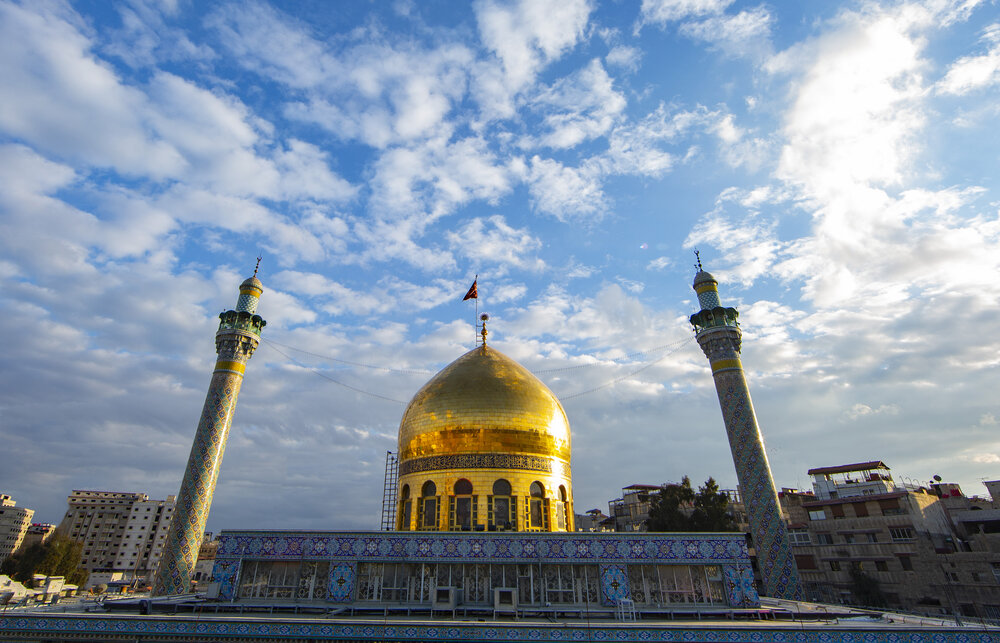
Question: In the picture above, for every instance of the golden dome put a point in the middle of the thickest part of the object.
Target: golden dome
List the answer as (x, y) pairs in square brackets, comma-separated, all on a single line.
[(484, 402)]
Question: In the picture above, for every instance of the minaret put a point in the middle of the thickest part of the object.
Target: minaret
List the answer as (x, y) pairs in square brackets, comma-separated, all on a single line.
[(719, 335), (235, 342)]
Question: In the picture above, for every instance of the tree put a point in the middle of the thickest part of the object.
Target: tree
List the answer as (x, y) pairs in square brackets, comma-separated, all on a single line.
[(58, 556), (678, 508), (866, 590), (711, 509), (668, 510)]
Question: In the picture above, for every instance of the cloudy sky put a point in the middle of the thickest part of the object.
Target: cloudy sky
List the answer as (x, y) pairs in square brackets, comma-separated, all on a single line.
[(835, 164)]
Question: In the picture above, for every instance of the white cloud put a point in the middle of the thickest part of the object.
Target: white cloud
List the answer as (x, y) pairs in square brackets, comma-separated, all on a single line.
[(864, 410), (585, 106), (625, 57), (969, 73), (742, 34), (491, 240), (663, 11), (55, 95), (659, 263), (525, 36), (564, 192)]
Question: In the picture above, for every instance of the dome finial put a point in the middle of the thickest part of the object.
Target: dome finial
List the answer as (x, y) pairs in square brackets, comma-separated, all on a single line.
[(698, 258), (257, 267), (484, 318)]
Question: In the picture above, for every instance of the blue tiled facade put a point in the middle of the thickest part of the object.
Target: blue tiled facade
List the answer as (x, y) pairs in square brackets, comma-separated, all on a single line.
[(167, 628), (612, 554)]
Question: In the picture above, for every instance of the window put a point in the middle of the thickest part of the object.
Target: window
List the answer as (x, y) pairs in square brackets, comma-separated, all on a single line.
[(561, 509), (872, 538), (462, 507), (849, 538), (805, 561), (860, 509), (824, 539), (899, 534), (798, 536), (837, 511), (537, 518), (405, 509), (906, 563), (835, 565), (817, 514), (501, 508), (428, 506), (881, 565), (891, 507)]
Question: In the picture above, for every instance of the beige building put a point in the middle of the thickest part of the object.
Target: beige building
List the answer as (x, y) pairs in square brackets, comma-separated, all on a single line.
[(14, 524), (122, 533), (859, 529), (37, 534)]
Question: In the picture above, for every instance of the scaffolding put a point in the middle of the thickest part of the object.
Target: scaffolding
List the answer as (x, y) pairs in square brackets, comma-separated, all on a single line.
[(389, 491)]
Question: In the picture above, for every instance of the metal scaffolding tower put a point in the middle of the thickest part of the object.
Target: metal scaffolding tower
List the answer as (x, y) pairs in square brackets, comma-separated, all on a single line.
[(389, 491)]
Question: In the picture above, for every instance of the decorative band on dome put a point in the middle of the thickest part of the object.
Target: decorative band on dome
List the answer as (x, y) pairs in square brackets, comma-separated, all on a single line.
[(477, 461)]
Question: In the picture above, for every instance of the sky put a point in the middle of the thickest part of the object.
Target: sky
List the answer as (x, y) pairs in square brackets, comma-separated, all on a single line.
[(835, 164)]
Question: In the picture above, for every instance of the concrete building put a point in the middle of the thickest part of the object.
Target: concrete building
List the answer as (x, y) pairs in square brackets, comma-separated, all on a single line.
[(631, 511), (859, 528), (14, 524), (37, 534), (123, 534)]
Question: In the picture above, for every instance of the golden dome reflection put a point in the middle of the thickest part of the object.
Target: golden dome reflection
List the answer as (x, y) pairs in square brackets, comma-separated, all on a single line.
[(484, 445), (484, 402)]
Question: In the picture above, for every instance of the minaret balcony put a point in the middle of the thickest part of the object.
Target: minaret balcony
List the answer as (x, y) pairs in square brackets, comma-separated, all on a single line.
[(718, 317), (241, 320)]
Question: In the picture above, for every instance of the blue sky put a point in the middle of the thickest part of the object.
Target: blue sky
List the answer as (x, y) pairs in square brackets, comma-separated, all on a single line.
[(835, 163)]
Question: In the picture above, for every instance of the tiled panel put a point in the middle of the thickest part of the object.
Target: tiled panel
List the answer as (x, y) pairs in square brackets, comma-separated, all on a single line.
[(175, 628)]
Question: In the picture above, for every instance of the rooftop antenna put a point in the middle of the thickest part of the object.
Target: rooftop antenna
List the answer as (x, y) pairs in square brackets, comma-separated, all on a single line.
[(698, 258), (257, 267)]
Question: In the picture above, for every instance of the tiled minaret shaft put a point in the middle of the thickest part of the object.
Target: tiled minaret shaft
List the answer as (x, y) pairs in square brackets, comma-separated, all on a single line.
[(235, 342), (719, 335)]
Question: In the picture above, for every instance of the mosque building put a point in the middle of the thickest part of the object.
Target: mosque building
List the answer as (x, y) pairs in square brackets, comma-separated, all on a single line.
[(483, 526)]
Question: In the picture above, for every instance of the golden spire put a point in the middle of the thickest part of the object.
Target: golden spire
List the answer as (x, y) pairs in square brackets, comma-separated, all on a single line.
[(484, 318)]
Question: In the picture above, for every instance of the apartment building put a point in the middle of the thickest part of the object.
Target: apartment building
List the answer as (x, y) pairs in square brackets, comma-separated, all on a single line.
[(631, 511), (122, 533), (860, 537), (14, 524)]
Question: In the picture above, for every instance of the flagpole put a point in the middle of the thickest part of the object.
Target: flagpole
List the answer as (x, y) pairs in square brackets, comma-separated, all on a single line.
[(475, 319)]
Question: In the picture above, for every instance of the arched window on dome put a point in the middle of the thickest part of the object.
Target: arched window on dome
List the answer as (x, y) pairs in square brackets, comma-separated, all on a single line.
[(537, 510), (501, 514), (405, 508), (427, 509), (561, 509), (462, 507)]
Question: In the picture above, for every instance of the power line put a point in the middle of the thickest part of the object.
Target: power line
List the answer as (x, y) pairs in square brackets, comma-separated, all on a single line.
[(617, 360), (676, 346), (327, 377), (627, 375), (388, 369)]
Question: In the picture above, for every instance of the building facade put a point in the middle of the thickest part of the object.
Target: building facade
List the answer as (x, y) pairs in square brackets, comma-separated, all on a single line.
[(14, 524), (415, 571), (861, 538), (123, 534)]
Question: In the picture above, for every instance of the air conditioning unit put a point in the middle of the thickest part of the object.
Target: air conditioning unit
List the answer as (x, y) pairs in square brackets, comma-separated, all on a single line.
[(446, 598), (505, 599)]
